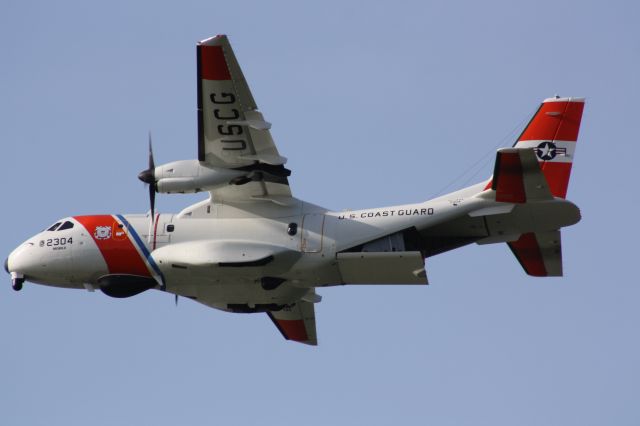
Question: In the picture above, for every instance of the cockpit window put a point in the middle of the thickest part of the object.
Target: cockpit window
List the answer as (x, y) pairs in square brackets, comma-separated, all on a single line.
[(54, 226), (66, 225)]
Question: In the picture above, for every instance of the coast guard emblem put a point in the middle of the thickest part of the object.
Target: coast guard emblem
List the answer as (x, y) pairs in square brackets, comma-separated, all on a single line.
[(102, 232)]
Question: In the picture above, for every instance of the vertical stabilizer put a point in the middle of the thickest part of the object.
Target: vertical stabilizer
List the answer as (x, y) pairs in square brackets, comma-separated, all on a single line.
[(553, 133)]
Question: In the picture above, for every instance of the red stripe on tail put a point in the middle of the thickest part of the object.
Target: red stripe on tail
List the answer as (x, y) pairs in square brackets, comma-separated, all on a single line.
[(553, 132), (557, 175), (507, 178), (555, 121), (528, 253)]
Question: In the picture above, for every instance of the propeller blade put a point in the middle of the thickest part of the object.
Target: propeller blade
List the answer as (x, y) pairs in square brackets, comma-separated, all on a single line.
[(152, 200), (149, 177), (176, 300), (152, 186), (152, 165)]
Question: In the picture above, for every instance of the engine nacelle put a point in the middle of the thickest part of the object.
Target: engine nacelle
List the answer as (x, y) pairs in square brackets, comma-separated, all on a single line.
[(190, 176)]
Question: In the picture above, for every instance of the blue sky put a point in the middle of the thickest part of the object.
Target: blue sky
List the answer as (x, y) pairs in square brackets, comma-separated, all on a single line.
[(374, 104)]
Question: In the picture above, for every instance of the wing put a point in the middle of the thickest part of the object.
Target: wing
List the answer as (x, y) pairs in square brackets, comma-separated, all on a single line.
[(297, 323), (232, 133)]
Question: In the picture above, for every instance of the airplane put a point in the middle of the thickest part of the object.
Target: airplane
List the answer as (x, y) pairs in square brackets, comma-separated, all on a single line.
[(252, 247)]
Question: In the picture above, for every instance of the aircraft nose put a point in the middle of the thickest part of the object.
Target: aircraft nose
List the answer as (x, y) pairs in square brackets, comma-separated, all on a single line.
[(21, 260)]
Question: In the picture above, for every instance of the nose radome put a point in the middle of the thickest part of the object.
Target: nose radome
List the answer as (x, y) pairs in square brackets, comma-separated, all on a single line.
[(21, 260), (17, 277)]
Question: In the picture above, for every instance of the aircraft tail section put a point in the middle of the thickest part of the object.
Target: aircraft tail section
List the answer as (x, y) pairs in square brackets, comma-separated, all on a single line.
[(532, 178), (533, 234), (517, 177), (535, 174), (552, 134), (539, 253)]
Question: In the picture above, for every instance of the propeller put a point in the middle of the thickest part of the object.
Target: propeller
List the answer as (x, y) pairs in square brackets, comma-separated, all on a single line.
[(149, 177)]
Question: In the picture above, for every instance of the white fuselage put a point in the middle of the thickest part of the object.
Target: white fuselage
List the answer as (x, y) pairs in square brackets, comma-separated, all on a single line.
[(218, 254)]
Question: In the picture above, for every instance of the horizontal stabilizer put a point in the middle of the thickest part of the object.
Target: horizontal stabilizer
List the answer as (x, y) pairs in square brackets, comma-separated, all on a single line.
[(492, 210), (540, 253)]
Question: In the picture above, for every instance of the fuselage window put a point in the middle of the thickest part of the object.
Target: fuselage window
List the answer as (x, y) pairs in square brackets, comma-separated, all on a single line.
[(66, 225), (54, 226), (170, 228)]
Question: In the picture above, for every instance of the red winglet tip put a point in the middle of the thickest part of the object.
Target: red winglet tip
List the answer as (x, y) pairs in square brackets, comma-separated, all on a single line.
[(213, 63), (294, 330)]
